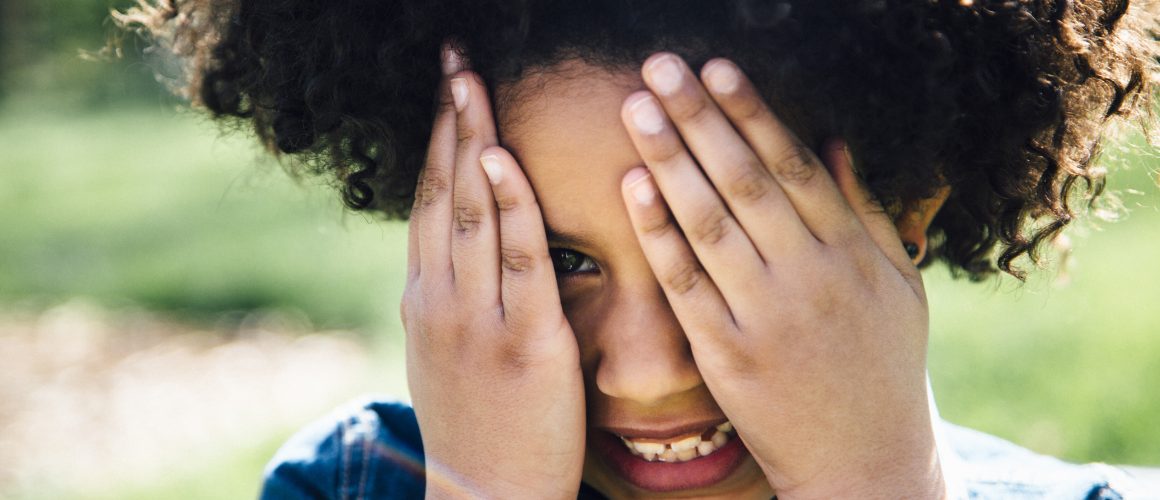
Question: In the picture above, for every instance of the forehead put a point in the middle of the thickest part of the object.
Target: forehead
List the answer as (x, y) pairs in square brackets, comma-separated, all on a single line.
[(563, 125)]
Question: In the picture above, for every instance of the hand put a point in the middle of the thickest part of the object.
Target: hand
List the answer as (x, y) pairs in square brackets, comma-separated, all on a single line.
[(806, 318), (492, 363)]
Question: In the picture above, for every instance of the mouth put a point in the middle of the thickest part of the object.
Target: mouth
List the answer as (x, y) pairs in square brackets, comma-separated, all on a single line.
[(682, 448), (687, 459)]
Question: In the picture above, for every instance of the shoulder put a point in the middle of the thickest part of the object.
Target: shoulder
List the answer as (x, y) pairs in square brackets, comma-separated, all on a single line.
[(985, 466), (369, 448)]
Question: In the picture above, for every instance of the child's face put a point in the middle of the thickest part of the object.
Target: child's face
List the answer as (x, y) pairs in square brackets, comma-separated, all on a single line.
[(565, 130)]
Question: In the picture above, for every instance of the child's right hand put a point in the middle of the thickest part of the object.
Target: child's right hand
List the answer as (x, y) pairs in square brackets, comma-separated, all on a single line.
[(492, 364)]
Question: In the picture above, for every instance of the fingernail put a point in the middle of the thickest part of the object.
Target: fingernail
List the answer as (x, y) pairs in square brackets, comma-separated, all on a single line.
[(647, 116), (722, 78), (451, 61), (665, 75), (492, 168), (841, 145), (643, 189), (459, 93)]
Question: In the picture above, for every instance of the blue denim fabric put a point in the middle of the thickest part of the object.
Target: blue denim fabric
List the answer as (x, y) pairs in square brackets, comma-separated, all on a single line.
[(371, 449)]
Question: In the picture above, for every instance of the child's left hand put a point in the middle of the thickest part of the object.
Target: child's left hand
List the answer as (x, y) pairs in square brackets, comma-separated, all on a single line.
[(806, 318)]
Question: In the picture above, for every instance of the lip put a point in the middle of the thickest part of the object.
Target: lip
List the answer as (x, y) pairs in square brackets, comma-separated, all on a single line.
[(660, 477), (665, 434)]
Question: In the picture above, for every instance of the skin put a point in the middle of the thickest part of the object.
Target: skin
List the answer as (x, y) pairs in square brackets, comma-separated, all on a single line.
[(733, 274)]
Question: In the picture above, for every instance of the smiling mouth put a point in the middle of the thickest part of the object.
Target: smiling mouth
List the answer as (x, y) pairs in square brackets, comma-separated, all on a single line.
[(681, 449)]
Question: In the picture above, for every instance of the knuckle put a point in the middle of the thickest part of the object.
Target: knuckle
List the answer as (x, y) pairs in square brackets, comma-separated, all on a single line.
[(516, 260), (516, 349), (507, 203), (692, 109), (712, 227), (738, 360), (446, 102), (826, 303), (684, 277), (751, 184), (796, 166), (433, 186), (416, 322), (465, 137), (656, 225), (468, 218), (746, 107), (663, 151), (514, 358)]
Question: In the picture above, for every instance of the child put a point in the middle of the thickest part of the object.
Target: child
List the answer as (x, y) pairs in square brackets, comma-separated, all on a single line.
[(671, 249)]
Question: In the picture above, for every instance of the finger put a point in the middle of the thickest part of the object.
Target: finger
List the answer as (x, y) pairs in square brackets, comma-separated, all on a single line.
[(528, 281), (413, 257), (797, 170), (720, 244), (429, 232), (750, 191), (695, 298), (474, 249), (873, 217)]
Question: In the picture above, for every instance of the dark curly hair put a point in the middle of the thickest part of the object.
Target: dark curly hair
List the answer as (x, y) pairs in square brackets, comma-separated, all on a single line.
[(1004, 101)]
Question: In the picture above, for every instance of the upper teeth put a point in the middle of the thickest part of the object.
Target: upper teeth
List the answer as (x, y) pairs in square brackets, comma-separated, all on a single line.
[(683, 449), (685, 444)]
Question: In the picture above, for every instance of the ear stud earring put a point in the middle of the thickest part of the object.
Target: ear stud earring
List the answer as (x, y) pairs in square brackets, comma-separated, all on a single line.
[(911, 249)]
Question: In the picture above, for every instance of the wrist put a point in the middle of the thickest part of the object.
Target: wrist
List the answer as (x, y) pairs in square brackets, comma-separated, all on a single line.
[(907, 472), (479, 482), (917, 484), (495, 491)]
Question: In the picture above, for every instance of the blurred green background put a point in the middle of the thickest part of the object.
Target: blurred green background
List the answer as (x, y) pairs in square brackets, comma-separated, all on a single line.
[(114, 195)]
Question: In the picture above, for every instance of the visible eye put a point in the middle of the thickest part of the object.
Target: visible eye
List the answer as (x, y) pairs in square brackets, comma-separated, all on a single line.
[(567, 261)]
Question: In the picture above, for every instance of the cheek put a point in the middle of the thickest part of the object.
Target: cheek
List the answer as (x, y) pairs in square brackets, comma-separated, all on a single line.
[(581, 299), (586, 306)]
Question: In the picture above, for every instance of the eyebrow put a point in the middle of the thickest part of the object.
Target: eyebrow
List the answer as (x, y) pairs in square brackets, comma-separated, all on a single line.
[(566, 238)]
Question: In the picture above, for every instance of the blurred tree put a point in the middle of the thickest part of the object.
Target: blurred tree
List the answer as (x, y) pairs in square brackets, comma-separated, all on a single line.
[(42, 49), (8, 27), (4, 29)]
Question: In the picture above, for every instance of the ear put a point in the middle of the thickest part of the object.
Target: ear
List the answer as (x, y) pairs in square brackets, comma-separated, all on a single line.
[(912, 224)]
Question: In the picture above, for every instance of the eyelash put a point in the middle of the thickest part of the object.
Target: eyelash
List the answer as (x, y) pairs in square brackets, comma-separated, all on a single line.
[(586, 266)]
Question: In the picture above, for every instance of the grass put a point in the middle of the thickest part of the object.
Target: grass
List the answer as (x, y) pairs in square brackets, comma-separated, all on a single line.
[(143, 207), (157, 210)]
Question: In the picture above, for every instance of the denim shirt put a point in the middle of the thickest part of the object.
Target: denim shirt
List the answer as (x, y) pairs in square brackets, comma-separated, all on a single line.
[(371, 449)]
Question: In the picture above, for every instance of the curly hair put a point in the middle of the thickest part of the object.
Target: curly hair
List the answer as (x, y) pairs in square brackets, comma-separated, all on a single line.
[(1005, 102)]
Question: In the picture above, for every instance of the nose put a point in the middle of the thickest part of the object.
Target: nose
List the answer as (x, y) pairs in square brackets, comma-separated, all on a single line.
[(643, 355)]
